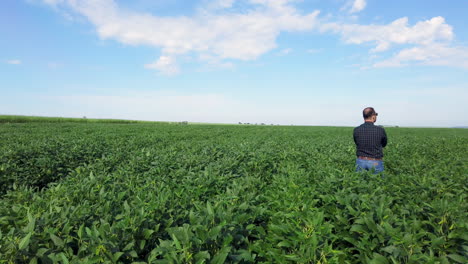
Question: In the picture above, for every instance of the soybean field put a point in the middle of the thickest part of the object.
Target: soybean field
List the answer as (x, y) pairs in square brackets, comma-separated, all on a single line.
[(92, 192)]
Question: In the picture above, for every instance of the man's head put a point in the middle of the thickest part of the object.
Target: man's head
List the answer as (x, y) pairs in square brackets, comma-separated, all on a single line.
[(369, 114)]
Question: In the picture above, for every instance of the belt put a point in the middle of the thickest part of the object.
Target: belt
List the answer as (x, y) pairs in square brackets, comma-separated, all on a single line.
[(367, 158)]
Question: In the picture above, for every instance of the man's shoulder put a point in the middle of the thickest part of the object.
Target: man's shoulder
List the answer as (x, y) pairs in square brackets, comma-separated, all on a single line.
[(360, 126), (380, 130), (369, 126)]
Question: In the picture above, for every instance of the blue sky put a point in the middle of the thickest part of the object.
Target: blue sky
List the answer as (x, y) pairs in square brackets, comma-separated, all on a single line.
[(310, 62)]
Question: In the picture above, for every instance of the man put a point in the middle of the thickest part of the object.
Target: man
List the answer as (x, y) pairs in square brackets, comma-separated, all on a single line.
[(370, 141)]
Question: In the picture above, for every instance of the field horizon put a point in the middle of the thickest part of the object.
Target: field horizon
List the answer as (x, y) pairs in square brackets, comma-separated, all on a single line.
[(97, 192), (29, 118)]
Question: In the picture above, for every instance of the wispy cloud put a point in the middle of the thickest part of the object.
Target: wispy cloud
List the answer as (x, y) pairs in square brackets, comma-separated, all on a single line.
[(166, 65), (221, 4), (354, 6), (396, 33), (285, 52), (14, 62), (434, 55), (358, 6)]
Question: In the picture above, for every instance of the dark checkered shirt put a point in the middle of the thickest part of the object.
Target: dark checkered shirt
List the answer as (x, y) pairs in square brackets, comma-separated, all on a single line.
[(370, 140)]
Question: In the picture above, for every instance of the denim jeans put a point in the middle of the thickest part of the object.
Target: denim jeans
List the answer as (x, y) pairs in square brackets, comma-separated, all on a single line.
[(371, 165)]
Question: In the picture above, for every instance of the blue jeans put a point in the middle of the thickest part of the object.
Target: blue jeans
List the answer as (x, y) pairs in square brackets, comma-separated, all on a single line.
[(370, 165)]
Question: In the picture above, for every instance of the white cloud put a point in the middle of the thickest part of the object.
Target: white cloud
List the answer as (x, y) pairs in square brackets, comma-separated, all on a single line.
[(353, 6), (397, 32), (167, 65), (14, 62), (431, 42), (213, 62), (222, 3), (222, 32), (435, 55), (285, 52), (243, 35), (358, 6)]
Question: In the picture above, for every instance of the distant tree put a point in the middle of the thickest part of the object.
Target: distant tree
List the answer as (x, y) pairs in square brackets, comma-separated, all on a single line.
[(240, 123)]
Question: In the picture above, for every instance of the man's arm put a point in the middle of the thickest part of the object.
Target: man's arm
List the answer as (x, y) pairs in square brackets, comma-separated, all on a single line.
[(384, 139)]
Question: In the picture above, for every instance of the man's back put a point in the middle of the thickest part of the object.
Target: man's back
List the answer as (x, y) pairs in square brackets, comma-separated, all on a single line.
[(370, 140)]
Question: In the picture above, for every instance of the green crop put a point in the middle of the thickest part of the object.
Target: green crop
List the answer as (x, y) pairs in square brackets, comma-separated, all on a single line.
[(166, 193)]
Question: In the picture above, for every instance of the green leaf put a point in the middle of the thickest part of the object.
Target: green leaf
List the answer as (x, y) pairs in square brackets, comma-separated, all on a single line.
[(147, 233), (458, 258), (351, 240), (80, 231), (57, 240), (202, 255), (390, 249), (465, 248), (378, 259), (357, 228), (246, 256), (40, 252), (221, 256), (214, 232), (292, 257), (25, 241), (133, 254), (126, 206), (32, 223), (54, 257), (64, 258), (458, 235), (209, 209), (176, 242), (284, 244), (89, 232), (142, 244), (129, 246), (116, 256), (438, 241)]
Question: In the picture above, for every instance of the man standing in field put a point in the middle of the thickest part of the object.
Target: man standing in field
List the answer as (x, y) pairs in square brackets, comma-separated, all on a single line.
[(370, 141)]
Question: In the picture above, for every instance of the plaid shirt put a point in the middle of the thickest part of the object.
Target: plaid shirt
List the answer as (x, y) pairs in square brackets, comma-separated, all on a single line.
[(370, 140)]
